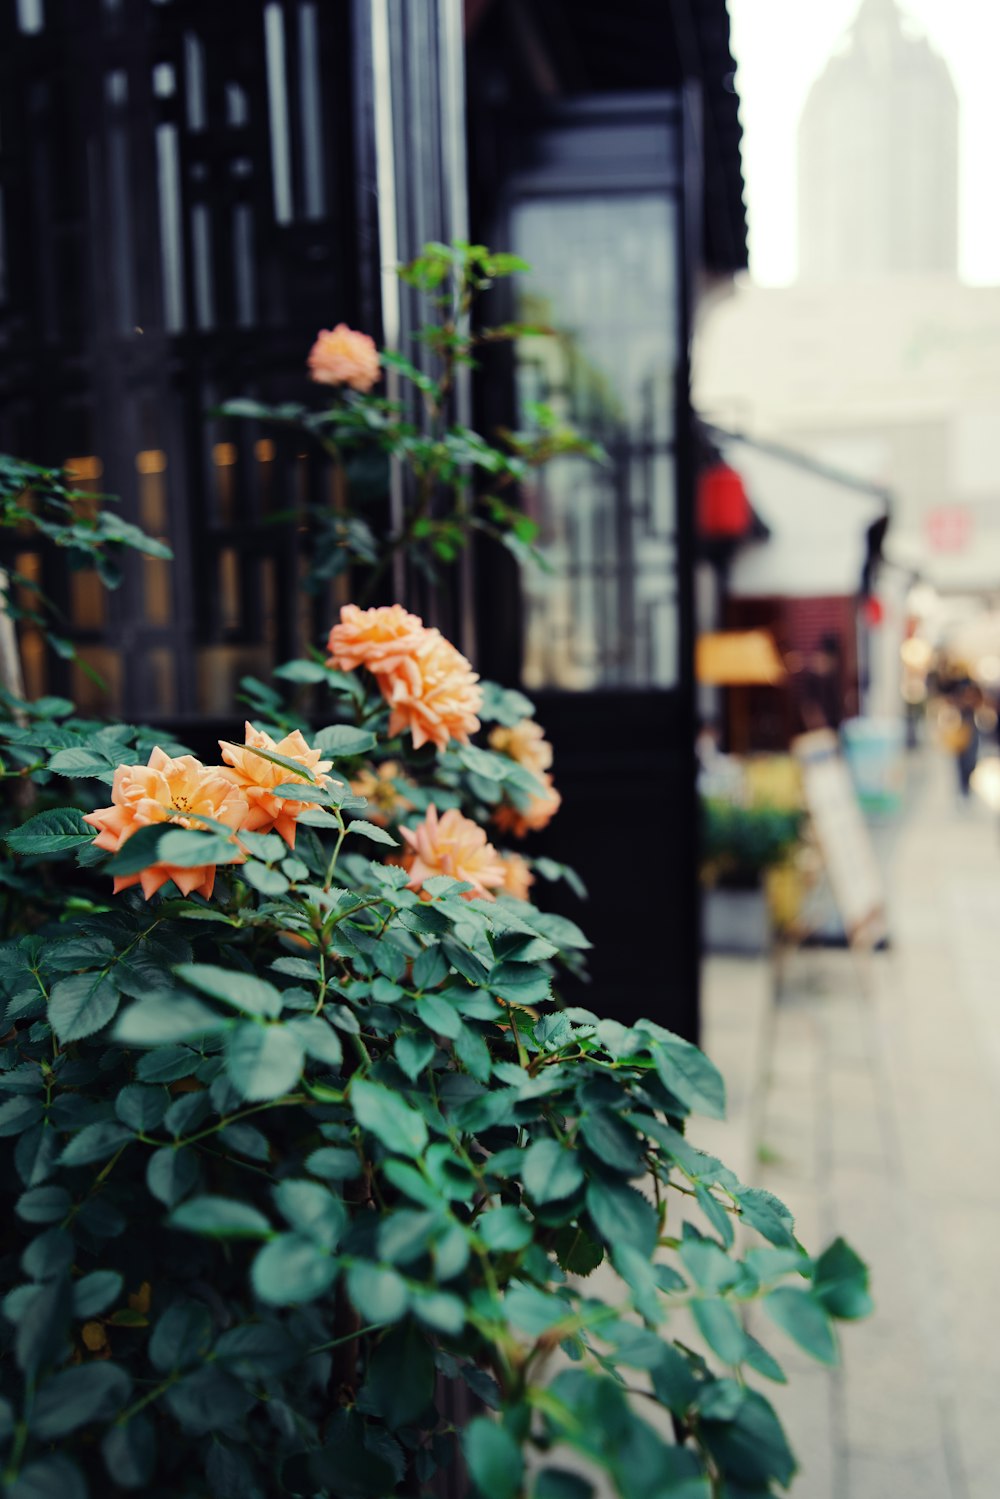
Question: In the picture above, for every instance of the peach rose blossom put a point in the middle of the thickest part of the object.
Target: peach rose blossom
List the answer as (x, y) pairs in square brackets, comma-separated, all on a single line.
[(340, 356), (538, 814), (525, 743), (518, 878), (434, 693), (257, 778), (379, 639), (453, 845), (379, 786), (166, 790)]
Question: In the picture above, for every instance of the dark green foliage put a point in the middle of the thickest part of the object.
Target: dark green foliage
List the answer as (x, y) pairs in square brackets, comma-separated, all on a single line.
[(738, 843), (458, 483), (287, 1170)]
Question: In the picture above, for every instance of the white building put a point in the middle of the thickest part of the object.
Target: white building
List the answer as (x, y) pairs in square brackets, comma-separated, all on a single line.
[(878, 156)]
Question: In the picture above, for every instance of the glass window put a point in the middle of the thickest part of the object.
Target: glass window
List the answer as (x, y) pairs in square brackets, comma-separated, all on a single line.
[(604, 277)]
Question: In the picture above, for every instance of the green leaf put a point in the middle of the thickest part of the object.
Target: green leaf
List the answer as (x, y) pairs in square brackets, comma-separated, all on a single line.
[(292, 1269), (439, 1016), (343, 741), (166, 1018), (803, 1317), (256, 1350), (190, 848), (334, 1164), (208, 1399), (96, 1142), (265, 881), (840, 1281), (768, 1215), (18, 1114), (53, 1477), (312, 1210), (140, 1107), (721, 1329), (303, 673), (43, 1326), (129, 1452), (503, 1230), (751, 1448), (81, 1005), (181, 1337), (690, 1076), (493, 1458), (220, 1218), (429, 968), (295, 767), (43, 1204), (244, 991), (413, 1053), (263, 1061), (369, 830), (80, 762), (171, 1174), (53, 832), (95, 1292), (383, 1113), (612, 1141), (76, 1397), (621, 1214), (319, 1039), (378, 1293), (550, 1171)]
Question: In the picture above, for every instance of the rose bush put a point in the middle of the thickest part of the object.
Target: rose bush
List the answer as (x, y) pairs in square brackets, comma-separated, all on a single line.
[(299, 1144)]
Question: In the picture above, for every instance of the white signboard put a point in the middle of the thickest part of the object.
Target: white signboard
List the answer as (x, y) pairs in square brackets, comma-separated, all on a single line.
[(843, 837)]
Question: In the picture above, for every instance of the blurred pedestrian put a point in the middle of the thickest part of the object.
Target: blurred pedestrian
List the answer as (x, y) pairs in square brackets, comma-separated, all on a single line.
[(968, 700), (821, 692)]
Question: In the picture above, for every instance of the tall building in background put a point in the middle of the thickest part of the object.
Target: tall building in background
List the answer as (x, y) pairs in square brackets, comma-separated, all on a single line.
[(878, 157)]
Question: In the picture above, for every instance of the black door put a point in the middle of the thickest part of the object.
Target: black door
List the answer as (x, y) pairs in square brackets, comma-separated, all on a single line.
[(593, 196)]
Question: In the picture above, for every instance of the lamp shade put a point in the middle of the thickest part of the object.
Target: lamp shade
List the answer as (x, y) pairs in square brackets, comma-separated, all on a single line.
[(723, 509)]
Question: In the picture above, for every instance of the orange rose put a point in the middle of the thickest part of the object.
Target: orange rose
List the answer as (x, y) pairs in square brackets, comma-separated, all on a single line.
[(456, 846), (538, 814), (380, 789), (340, 356), (379, 639), (434, 693), (517, 876), (525, 743), (257, 778), (166, 790)]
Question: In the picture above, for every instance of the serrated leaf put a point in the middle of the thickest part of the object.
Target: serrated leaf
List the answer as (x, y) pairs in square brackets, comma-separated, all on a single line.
[(53, 832), (82, 1004)]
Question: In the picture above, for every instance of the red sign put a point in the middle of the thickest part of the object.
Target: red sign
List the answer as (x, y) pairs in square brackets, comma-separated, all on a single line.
[(949, 528)]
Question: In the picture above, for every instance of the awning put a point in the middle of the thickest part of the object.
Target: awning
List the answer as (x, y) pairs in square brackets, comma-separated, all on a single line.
[(738, 658)]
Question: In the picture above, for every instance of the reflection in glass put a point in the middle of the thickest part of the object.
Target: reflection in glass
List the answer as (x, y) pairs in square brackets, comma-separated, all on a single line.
[(604, 277)]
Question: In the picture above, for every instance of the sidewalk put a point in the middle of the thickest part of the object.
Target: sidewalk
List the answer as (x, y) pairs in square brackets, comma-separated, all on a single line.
[(876, 1114)]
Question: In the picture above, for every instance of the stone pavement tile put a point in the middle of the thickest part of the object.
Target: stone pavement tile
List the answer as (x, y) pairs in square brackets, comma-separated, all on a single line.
[(978, 1432), (888, 1394), (805, 1410), (871, 1476)]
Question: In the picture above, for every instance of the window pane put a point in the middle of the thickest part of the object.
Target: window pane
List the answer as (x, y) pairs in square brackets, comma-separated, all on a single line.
[(604, 276)]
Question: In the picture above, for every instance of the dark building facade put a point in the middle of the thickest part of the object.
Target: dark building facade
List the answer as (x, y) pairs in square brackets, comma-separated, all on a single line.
[(189, 190)]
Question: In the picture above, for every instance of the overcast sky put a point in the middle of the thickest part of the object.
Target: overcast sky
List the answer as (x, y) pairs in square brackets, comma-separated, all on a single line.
[(781, 46)]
